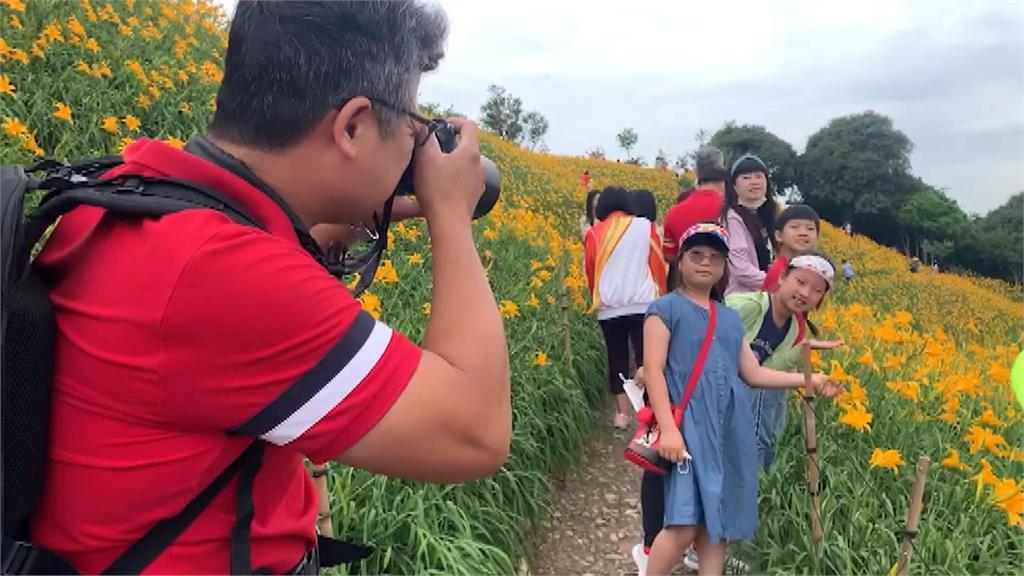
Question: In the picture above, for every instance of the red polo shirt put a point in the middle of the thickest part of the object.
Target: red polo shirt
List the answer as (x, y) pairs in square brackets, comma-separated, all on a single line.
[(700, 206), (172, 332)]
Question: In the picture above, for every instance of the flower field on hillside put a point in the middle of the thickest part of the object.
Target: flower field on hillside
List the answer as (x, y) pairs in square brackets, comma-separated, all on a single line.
[(926, 366)]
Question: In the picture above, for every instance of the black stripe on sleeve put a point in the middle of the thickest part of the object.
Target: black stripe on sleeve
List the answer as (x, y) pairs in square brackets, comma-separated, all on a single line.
[(336, 359)]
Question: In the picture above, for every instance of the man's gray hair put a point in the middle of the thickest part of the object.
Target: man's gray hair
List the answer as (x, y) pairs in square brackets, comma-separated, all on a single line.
[(709, 157)]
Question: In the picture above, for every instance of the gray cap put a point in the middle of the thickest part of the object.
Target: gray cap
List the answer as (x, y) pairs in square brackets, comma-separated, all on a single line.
[(709, 159)]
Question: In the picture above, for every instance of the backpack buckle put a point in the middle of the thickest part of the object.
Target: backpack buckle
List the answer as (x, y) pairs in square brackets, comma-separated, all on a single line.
[(129, 185), (19, 558)]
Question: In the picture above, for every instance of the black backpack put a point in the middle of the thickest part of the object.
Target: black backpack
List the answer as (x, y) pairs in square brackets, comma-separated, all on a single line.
[(27, 336)]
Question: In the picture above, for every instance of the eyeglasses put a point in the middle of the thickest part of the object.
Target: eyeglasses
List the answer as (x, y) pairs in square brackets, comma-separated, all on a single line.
[(427, 126), (700, 256)]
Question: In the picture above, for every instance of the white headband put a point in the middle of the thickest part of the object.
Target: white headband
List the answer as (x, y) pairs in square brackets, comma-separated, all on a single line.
[(815, 264)]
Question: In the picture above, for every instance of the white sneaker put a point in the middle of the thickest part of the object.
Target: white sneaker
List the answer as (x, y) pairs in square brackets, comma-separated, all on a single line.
[(640, 558), (690, 559)]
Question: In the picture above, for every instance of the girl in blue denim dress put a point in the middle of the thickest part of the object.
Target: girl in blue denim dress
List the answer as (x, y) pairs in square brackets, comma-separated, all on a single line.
[(711, 493)]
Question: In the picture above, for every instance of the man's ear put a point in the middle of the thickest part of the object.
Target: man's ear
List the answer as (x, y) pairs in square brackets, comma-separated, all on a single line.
[(778, 237), (351, 126)]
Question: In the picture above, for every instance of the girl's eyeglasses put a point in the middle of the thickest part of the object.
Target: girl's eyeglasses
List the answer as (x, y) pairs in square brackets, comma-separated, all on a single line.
[(700, 256)]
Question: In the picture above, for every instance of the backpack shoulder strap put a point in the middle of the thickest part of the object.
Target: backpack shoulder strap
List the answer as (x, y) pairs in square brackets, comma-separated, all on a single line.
[(146, 549)]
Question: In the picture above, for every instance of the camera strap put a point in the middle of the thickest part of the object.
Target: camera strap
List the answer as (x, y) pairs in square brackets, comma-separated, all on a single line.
[(366, 264)]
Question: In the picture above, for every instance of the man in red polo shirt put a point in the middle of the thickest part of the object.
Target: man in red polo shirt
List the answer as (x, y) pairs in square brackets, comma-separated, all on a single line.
[(182, 339), (703, 204)]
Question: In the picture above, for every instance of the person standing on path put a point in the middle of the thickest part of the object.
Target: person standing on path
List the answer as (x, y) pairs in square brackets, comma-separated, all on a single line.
[(625, 273), (711, 493), (702, 204), (749, 212), (590, 204)]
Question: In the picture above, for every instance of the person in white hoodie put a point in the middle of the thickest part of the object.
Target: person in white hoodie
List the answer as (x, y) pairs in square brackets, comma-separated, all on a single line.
[(625, 273)]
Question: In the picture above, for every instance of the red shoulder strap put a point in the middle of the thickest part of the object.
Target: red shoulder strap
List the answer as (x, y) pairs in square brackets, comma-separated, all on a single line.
[(698, 366)]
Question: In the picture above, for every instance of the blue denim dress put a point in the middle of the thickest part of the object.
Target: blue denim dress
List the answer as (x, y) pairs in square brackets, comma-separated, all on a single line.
[(718, 488)]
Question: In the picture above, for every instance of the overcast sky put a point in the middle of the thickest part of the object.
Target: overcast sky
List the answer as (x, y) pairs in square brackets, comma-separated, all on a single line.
[(949, 74)]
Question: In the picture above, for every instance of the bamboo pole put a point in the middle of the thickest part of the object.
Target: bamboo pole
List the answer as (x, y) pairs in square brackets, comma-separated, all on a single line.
[(812, 451), (913, 516), (565, 304), (323, 516)]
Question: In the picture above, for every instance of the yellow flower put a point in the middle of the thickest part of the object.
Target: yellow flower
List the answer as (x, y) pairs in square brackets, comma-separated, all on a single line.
[(856, 417), (16, 5), (988, 417), (143, 101), (490, 234), (92, 45), (541, 359), (19, 55), (131, 122), (890, 459), (980, 437), (533, 301), (6, 87), (868, 359), (186, 109), (14, 127), (83, 67), (984, 477), (386, 272), (508, 309), (426, 309), (1010, 499), (125, 142), (550, 299), (953, 460), (62, 112), (182, 76), (999, 374), (110, 124), (415, 258), (172, 141), (15, 22), (370, 303)]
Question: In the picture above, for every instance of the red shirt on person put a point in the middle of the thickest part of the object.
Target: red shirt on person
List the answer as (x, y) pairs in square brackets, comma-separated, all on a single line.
[(702, 205), (173, 332)]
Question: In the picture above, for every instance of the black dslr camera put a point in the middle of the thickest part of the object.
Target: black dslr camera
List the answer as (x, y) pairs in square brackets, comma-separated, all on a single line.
[(448, 138), (341, 262)]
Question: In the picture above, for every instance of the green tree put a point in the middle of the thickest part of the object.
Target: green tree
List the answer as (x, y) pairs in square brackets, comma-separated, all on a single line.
[(928, 215), (502, 114), (627, 139), (536, 127), (857, 169), (736, 140)]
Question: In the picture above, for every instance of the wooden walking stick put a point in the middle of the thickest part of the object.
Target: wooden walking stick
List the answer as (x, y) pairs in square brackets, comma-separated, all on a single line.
[(812, 450), (564, 301), (323, 515), (913, 517)]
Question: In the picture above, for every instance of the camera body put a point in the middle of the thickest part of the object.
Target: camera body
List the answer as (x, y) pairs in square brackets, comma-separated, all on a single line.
[(448, 139)]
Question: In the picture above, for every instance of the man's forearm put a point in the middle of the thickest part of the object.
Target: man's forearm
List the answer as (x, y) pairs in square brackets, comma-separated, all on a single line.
[(465, 326)]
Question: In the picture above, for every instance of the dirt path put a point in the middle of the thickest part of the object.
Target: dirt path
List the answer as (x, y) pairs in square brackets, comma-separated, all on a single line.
[(595, 517)]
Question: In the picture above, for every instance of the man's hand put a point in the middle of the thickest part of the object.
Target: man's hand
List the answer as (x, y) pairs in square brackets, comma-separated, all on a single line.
[(450, 184)]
